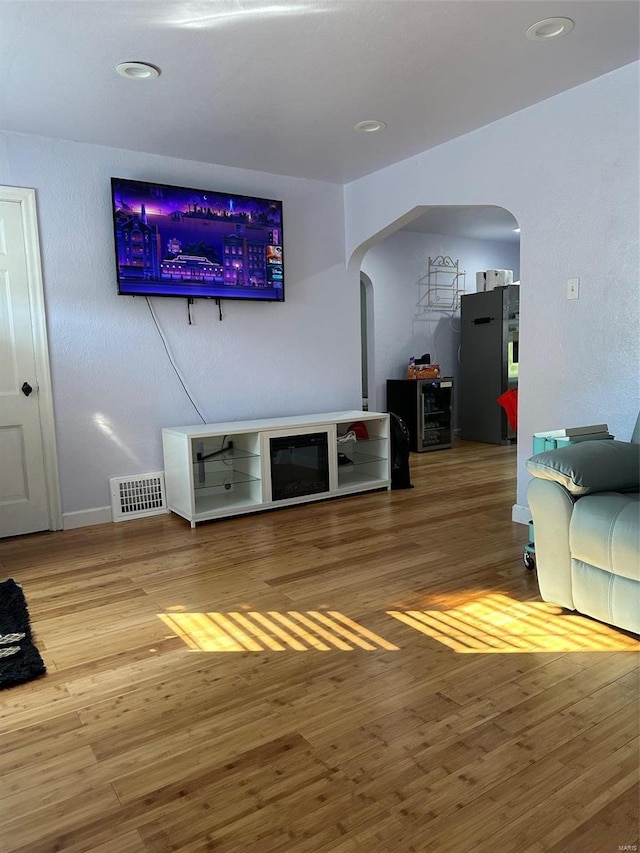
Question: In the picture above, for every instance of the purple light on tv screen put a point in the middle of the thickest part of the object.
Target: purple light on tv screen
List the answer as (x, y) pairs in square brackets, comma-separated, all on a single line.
[(175, 241)]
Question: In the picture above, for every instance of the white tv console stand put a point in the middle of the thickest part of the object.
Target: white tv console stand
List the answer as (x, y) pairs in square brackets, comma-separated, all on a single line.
[(220, 470)]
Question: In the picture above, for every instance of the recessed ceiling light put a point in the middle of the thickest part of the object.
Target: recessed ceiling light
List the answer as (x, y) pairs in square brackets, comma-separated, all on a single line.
[(550, 28), (517, 230), (138, 70), (370, 126)]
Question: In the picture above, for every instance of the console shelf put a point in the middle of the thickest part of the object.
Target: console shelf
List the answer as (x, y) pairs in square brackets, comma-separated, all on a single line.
[(220, 470)]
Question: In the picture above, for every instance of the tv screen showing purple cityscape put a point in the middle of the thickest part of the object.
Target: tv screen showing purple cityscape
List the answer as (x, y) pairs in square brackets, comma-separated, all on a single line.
[(175, 241)]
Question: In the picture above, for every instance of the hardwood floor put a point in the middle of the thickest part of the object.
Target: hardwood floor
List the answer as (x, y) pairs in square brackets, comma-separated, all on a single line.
[(374, 674)]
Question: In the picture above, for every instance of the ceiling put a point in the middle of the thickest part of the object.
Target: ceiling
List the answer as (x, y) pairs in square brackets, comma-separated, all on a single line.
[(481, 222), (278, 85)]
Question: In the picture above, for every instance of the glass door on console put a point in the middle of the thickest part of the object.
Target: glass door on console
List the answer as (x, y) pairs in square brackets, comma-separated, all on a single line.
[(436, 425), (299, 465)]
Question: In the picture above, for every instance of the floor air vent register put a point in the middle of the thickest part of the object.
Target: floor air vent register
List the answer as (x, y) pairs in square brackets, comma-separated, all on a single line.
[(137, 497)]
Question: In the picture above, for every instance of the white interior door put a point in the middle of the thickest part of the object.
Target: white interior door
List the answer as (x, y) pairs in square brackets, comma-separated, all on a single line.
[(28, 475)]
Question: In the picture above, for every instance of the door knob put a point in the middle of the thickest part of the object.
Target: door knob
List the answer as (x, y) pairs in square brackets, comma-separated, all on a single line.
[(26, 389)]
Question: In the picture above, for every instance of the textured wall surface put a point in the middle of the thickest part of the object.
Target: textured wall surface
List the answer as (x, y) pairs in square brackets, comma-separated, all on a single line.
[(397, 268), (113, 385), (567, 169)]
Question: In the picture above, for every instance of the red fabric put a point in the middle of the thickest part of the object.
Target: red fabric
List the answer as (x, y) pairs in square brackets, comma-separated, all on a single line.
[(360, 429), (509, 402)]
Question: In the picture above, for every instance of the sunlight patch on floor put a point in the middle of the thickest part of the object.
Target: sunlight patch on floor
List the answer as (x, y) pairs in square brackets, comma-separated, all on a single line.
[(497, 623), (272, 631)]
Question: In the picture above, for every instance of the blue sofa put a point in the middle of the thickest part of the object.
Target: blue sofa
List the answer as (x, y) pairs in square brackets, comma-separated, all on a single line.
[(585, 503)]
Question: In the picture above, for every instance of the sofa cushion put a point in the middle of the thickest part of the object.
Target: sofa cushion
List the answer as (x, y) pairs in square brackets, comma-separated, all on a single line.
[(609, 598), (605, 532), (590, 466)]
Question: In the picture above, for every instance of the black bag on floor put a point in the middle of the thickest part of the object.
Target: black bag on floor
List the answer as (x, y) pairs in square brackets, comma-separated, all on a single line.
[(400, 448)]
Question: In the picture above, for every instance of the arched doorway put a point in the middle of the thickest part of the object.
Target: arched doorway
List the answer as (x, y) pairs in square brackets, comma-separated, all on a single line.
[(393, 270), (367, 333)]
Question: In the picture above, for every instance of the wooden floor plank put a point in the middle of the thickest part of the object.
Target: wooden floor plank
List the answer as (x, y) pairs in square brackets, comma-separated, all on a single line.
[(523, 738)]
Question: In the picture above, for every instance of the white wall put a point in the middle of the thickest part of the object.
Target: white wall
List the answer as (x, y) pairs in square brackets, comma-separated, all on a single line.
[(114, 388), (397, 268), (567, 169)]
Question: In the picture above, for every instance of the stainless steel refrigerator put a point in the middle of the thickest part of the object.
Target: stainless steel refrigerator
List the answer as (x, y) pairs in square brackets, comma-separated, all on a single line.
[(488, 362)]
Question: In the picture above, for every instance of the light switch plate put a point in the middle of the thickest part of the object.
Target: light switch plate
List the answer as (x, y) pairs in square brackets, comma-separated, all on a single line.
[(573, 288)]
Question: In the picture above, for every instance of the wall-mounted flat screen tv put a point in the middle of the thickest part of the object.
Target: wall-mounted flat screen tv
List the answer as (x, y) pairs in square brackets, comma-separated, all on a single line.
[(176, 241)]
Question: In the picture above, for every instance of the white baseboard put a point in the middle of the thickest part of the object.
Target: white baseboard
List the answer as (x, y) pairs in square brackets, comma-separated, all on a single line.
[(86, 517), (102, 515), (520, 514)]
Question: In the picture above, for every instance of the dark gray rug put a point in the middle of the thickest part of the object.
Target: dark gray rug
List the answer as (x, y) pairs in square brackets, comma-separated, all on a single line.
[(20, 660)]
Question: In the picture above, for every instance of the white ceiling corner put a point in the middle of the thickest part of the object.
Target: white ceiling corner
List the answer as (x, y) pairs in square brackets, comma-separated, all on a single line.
[(278, 85)]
